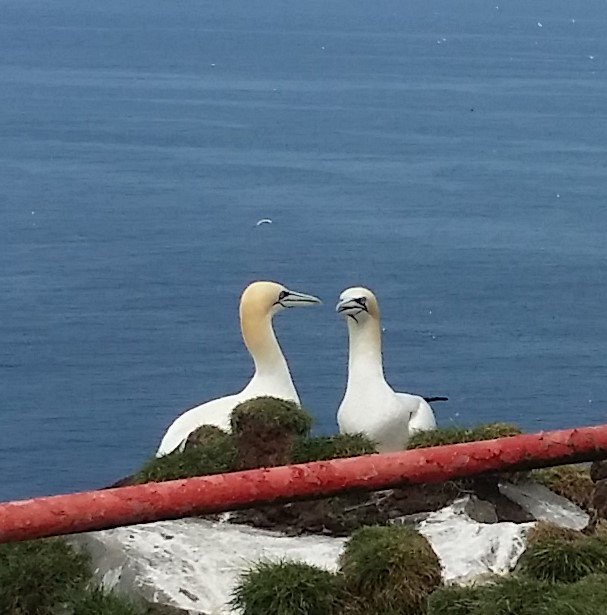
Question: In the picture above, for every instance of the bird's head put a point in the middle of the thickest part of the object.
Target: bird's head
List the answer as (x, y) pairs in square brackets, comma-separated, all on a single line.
[(358, 304), (269, 298)]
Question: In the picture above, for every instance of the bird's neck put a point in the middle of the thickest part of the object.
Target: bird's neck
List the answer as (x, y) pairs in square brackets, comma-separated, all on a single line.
[(364, 360), (261, 342)]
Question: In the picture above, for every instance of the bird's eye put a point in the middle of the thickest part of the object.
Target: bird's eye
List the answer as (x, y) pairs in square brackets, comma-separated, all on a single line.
[(363, 301), (283, 295)]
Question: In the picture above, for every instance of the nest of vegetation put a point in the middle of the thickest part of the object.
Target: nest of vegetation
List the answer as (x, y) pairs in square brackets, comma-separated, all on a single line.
[(269, 432)]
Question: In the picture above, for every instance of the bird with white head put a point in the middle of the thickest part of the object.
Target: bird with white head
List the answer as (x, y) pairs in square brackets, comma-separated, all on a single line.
[(259, 303), (370, 405)]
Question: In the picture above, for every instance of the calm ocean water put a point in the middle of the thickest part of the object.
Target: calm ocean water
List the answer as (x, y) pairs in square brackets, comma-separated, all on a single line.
[(450, 155)]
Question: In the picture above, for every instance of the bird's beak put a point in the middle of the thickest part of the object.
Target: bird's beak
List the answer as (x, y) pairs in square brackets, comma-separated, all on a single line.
[(295, 299), (350, 307)]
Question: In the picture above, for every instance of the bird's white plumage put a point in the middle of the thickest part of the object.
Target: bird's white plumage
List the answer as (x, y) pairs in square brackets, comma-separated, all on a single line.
[(370, 405), (422, 416), (259, 303)]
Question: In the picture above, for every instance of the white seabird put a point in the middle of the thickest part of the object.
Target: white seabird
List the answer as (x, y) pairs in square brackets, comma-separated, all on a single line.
[(259, 303), (370, 405)]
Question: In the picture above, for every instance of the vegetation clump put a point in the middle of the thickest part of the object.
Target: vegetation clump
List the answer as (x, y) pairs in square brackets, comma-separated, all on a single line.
[(331, 447), (389, 570), (563, 559), (547, 533), (272, 412), (570, 481), (36, 576), (99, 602), (265, 429), (586, 597), (454, 600), (508, 596), (521, 596), (286, 588), (216, 454), (456, 435), (204, 435), (48, 577)]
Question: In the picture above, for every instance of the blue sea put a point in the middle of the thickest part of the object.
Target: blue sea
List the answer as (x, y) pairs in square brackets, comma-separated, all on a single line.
[(451, 156)]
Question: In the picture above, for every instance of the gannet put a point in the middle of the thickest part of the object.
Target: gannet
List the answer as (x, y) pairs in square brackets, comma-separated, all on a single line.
[(370, 405), (259, 303)]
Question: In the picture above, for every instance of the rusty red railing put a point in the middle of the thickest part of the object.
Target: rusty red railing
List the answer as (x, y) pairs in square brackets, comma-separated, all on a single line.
[(95, 510)]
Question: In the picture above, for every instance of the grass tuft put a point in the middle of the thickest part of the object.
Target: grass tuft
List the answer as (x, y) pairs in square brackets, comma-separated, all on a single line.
[(389, 570), (36, 575), (331, 447), (285, 588), (204, 435), (455, 435), (271, 411), (216, 456), (586, 597), (454, 600), (99, 602), (508, 596), (543, 532), (49, 577), (565, 560)]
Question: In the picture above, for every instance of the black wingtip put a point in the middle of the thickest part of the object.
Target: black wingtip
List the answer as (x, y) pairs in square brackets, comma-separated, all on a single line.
[(432, 399)]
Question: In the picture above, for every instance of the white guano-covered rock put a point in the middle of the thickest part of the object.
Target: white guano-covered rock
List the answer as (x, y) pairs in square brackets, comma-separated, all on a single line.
[(193, 564), (468, 549)]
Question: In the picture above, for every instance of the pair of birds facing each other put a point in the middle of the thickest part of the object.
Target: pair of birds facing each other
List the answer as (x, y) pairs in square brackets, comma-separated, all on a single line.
[(370, 406)]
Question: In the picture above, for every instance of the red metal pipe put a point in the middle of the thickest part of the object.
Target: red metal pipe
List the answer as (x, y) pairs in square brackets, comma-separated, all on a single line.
[(95, 510)]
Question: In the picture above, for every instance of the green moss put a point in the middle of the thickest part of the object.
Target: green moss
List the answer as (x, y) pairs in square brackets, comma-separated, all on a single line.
[(331, 447), (389, 570), (563, 560), (48, 577), (204, 435), (272, 412), (215, 457), (455, 435), (285, 588), (571, 481)]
